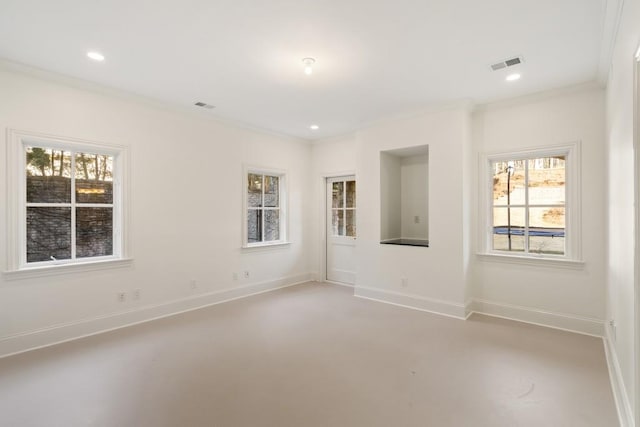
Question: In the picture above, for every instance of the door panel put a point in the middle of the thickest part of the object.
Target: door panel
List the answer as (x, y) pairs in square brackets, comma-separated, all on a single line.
[(341, 229)]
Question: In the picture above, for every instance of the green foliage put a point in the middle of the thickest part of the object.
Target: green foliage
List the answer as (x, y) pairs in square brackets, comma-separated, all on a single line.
[(39, 159)]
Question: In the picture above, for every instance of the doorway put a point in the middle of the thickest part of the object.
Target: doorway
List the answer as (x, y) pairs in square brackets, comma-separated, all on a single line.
[(341, 229)]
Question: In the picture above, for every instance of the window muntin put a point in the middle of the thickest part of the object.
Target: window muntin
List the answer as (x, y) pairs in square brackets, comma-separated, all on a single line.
[(69, 201), (343, 208), (265, 216), (529, 204)]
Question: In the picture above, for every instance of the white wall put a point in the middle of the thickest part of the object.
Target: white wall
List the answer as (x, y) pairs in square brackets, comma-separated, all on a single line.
[(549, 292), (620, 227), (186, 213), (330, 157), (414, 177), (436, 275), (390, 197)]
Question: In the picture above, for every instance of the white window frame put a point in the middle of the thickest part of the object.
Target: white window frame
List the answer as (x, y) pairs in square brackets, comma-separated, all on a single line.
[(283, 200), (17, 266), (573, 228), (344, 208)]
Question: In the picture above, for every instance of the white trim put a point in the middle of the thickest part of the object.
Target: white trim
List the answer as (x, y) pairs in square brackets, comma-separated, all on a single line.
[(323, 214), (283, 205), (532, 260), (498, 104), (343, 277), (346, 285), (265, 245), (610, 25), (86, 264), (636, 180), (566, 322), (189, 110), (573, 206), (620, 396), (415, 302), (63, 332), (16, 193)]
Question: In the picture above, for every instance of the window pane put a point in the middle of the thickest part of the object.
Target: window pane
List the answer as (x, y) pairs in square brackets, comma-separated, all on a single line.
[(547, 181), (337, 195), (271, 191), (94, 178), (547, 230), (350, 221), (271, 225), (48, 234), (94, 232), (337, 222), (508, 183), (254, 191), (508, 229), (501, 242), (254, 225), (351, 194), (48, 175)]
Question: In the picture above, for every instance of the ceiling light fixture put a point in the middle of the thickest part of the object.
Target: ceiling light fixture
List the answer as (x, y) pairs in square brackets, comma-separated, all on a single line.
[(308, 65), (96, 56), (513, 77), (314, 127)]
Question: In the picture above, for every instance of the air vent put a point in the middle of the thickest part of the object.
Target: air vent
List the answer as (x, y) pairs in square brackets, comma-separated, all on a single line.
[(507, 63), (205, 105)]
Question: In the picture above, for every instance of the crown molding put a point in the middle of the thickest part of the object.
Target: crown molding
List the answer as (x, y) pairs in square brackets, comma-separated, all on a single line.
[(86, 85)]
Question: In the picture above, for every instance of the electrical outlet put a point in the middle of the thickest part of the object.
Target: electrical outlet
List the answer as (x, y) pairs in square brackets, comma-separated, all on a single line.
[(246, 274), (193, 284), (136, 294), (416, 219), (404, 282), (122, 296), (235, 277)]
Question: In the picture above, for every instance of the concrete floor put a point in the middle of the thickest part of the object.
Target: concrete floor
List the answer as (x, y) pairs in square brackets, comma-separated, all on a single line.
[(312, 355)]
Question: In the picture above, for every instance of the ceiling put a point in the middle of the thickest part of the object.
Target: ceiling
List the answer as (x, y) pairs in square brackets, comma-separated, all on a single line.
[(374, 59)]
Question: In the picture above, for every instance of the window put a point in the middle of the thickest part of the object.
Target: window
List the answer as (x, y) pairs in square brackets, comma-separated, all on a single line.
[(67, 205), (533, 203), (343, 208), (265, 208)]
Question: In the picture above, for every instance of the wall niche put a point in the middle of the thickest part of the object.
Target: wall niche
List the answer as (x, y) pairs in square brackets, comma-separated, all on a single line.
[(404, 196)]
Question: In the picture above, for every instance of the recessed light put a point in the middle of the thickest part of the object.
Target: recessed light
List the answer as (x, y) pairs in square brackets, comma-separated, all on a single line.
[(513, 77), (96, 56), (314, 127)]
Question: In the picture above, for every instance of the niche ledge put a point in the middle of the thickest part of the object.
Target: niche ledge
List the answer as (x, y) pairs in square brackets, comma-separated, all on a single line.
[(406, 242)]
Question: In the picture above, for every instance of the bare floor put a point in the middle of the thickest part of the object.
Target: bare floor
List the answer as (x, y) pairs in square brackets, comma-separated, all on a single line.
[(312, 355)]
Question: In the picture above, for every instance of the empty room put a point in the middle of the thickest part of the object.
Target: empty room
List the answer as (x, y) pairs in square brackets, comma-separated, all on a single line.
[(338, 213)]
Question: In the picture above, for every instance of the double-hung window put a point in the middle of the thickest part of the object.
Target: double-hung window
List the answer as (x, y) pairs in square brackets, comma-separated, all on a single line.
[(533, 203), (265, 208), (67, 201)]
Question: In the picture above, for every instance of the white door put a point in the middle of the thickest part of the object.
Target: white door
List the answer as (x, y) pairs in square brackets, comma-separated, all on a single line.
[(341, 229)]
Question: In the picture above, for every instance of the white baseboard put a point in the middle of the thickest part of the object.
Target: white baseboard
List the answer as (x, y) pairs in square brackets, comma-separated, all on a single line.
[(342, 276), (56, 334), (565, 322), (620, 396), (346, 285), (445, 308)]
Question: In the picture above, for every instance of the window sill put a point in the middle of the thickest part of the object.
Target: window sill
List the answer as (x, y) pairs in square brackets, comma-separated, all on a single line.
[(532, 261), (265, 245), (51, 270)]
